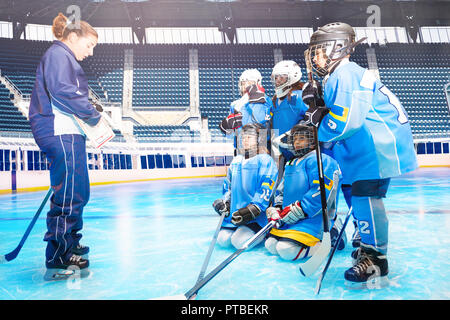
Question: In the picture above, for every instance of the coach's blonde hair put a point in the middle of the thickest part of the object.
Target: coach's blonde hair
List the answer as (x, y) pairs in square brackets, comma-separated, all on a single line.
[(61, 28)]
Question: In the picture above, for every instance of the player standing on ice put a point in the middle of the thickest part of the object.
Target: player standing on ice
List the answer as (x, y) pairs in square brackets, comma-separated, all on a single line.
[(373, 139), (247, 188), (253, 106), (288, 107), (61, 93), (297, 201)]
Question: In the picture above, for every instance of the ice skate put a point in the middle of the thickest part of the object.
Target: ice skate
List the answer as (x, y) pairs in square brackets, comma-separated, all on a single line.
[(369, 271), (75, 266)]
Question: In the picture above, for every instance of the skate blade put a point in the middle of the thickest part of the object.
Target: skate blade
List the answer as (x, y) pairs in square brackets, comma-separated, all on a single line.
[(375, 283), (65, 274)]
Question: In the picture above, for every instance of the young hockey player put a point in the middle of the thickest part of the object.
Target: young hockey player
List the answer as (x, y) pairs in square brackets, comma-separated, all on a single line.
[(373, 139), (61, 93), (247, 188), (297, 201), (253, 106), (288, 107)]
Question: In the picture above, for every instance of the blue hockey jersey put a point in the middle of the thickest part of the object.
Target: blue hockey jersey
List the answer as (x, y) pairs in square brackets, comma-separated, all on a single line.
[(255, 112), (60, 92), (288, 112), (369, 125), (300, 182), (249, 181)]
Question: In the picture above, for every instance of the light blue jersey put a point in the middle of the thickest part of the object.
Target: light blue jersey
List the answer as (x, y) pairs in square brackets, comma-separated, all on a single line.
[(255, 112), (249, 181), (287, 113), (369, 125), (301, 183)]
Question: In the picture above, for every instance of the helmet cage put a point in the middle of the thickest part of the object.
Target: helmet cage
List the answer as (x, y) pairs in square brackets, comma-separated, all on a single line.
[(252, 140), (332, 51), (249, 77), (290, 73), (303, 135)]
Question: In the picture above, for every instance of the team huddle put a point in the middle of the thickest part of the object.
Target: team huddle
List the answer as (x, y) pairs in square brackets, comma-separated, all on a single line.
[(275, 178), (365, 138)]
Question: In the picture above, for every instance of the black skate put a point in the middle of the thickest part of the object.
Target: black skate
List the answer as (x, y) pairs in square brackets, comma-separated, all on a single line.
[(75, 266), (355, 255), (370, 269), (80, 250), (334, 234), (356, 237)]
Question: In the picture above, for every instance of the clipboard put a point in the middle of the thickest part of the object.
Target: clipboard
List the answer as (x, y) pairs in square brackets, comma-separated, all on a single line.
[(99, 134)]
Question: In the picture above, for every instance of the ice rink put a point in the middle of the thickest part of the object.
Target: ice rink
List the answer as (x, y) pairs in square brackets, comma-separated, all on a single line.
[(149, 240)]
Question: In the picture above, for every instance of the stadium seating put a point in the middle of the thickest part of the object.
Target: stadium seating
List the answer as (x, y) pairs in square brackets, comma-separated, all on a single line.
[(11, 119), (161, 76), (416, 73), (165, 133)]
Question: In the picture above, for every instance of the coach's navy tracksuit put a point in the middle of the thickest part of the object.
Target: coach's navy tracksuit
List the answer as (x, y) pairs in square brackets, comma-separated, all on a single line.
[(60, 93)]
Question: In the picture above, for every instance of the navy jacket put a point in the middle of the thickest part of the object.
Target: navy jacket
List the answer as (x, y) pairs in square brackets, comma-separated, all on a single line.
[(60, 93)]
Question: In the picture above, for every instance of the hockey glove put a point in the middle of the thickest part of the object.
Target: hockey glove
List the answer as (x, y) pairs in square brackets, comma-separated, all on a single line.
[(314, 115), (273, 213), (313, 93), (245, 215), (256, 94), (222, 207), (293, 213), (233, 121)]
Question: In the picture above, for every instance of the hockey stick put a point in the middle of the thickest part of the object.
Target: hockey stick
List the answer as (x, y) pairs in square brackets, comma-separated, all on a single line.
[(322, 275), (211, 247), (13, 254), (194, 290), (310, 266), (228, 260)]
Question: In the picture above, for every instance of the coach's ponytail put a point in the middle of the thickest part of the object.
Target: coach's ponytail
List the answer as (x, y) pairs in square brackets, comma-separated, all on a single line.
[(62, 27), (59, 24)]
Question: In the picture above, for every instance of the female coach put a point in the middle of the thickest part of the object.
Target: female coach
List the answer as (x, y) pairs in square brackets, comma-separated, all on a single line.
[(59, 95)]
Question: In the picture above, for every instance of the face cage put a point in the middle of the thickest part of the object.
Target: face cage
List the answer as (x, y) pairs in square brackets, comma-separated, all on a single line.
[(244, 84), (332, 52), (282, 88), (258, 145), (307, 135), (312, 52)]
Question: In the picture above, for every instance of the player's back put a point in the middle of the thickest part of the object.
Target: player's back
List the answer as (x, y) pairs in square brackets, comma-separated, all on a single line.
[(370, 124)]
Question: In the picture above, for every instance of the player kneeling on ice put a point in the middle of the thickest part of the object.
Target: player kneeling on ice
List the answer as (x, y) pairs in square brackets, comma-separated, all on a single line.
[(247, 188), (297, 199)]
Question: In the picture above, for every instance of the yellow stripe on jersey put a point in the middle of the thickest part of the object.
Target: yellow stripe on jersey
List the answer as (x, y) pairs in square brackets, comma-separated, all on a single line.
[(343, 116), (270, 185), (328, 182), (296, 235)]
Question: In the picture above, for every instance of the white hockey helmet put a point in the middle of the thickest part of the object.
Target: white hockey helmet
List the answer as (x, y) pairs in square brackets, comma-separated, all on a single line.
[(284, 74), (248, 77)]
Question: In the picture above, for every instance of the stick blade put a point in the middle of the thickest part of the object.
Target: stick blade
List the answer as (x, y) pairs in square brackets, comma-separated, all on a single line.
[(310, 266)]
